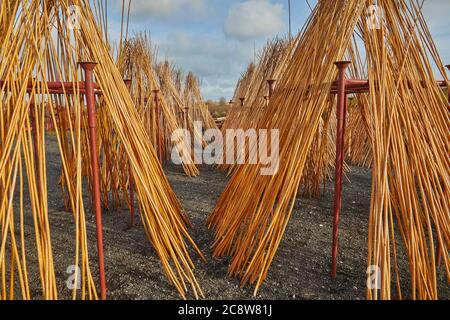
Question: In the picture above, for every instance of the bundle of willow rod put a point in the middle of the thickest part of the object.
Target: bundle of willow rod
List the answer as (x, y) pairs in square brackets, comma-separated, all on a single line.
[(171, 84), (236, 110), (137, 63), (253, 87), (410, 148), (409, 124), (164, 220), (357, 140), (26, 28), (44, 57), (193, 99)]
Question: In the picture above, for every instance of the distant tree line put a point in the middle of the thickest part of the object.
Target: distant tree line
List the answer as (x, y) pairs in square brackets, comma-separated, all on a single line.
[(218, 108)]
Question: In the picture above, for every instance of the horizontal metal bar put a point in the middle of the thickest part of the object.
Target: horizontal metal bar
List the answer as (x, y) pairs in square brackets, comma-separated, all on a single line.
[(55, 87)]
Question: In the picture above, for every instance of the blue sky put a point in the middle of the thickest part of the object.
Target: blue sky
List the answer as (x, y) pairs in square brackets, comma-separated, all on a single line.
[(216, 38)]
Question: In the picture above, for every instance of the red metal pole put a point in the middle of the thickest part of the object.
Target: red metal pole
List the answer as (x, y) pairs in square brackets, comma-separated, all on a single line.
[(271, 83), (341, 115), (128, 84), (88, 68)]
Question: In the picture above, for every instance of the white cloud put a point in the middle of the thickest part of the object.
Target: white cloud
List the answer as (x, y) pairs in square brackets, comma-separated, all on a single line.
[(254, 19), (218, 63), (165, 8)]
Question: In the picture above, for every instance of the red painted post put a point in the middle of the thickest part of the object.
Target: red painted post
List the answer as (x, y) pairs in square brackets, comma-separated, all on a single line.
[(158, 123), (88, 68), (341, 115), (128, 84), (271, 83)]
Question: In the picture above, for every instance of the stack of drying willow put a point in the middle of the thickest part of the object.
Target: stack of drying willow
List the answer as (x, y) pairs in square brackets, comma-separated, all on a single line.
[(253, 87), (171, 83), (36, 31), (198, 109), (159, 117), (357, 140), (408, 123), (236, 110)]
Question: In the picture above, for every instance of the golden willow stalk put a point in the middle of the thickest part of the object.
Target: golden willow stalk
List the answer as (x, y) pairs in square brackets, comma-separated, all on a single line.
[(253, 88), (37, 46), (171, 82), (158, 88), (193, 99), (408, 123)]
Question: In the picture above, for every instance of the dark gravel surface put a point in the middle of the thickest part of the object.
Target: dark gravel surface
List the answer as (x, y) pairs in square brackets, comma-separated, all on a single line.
[(300, 270)]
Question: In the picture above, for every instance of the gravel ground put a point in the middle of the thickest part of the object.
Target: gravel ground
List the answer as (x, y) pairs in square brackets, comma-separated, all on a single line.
[(299, 271)]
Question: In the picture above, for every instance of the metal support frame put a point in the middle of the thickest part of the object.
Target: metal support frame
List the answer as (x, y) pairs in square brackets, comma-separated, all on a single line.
[(89, 89), (59, 87), (88, 68), (343, 87), (340, 154)]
